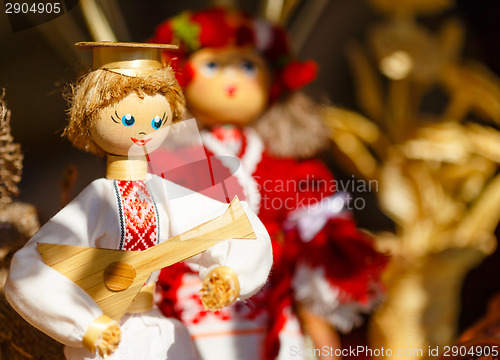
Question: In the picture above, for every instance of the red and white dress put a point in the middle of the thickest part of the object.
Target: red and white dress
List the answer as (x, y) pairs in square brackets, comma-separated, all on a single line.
[(320, 259), (127, 215)]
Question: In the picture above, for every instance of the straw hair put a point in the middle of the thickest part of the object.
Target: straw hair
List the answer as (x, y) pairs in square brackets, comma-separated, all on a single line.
[(293, 127), (101, 88)]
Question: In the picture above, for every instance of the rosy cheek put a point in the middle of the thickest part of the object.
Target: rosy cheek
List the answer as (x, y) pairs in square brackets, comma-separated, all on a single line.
[(200, 85), (251, 85)]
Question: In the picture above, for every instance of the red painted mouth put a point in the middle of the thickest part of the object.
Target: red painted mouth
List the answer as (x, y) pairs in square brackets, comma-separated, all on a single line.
[(230, 90), (140, 142)]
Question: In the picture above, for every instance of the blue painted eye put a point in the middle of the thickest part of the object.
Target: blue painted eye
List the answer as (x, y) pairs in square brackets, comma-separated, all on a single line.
[(249, 68), (156, 123), (128, 120), (210, 68)]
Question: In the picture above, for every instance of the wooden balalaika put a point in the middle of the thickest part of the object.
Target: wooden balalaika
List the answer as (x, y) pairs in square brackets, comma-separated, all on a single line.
[(114, 277)]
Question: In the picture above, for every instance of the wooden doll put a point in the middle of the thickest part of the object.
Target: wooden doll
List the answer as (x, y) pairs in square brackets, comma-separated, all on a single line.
[(241, 82), (123, 109)]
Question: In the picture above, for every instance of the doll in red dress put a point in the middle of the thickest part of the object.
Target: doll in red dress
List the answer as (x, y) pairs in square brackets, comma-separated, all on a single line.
[(242, 84)]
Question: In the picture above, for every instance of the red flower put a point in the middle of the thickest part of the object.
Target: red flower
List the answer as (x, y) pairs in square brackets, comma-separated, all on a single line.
[(184, 75), (245, 36), (298, 74), (163, 34), (278, 47), (214, 29), (219, 28)]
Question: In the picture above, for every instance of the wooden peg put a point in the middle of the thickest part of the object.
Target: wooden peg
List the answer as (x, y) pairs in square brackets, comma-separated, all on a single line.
[(119, 276)]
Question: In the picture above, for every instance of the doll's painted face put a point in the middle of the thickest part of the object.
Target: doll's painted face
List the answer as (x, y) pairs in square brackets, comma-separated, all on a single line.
[(133, 126), (229, 86)]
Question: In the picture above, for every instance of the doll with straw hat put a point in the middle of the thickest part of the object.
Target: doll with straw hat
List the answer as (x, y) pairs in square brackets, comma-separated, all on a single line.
[(123, 109), (242, 83)]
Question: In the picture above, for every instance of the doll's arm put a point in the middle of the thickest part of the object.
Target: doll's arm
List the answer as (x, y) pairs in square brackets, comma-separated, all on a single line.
[(244, 263), (44, 297), (220, 288), (321, 332), (250, 260), (47, 299), (102, 336)]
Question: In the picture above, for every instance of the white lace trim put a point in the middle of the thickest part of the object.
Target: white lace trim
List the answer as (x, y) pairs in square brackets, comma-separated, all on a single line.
[(310, 220), (314, 291), (252, 155)]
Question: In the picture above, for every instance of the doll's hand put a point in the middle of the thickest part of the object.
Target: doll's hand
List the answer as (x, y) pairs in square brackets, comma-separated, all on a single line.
[(220, 288), (102, 336)]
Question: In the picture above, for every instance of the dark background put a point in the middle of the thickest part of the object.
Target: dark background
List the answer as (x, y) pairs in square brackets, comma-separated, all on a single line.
[(37, 63)]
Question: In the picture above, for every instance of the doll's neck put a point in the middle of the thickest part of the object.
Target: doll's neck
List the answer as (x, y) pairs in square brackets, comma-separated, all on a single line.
[(126, 168)]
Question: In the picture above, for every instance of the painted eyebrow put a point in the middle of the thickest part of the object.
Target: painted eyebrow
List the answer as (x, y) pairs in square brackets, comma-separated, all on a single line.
[(112, 118), (164, 119)]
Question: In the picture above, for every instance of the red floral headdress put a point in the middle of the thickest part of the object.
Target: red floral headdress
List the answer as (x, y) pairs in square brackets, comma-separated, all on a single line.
[(219, 27)]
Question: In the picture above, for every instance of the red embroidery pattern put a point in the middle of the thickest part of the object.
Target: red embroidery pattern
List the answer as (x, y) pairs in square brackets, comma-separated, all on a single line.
[(139, 220)]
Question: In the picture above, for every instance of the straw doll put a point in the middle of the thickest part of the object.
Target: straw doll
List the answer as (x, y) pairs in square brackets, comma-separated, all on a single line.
[(123, 109), (242, 84)]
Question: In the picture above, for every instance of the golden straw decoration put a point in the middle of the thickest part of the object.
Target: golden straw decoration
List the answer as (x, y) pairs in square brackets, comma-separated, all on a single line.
[(437, 169)]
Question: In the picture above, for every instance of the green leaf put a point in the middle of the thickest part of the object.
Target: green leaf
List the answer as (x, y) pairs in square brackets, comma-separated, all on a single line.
[(187, 31)]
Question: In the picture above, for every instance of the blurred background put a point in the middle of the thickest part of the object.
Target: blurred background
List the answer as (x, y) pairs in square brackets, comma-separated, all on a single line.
[(38, 62)]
